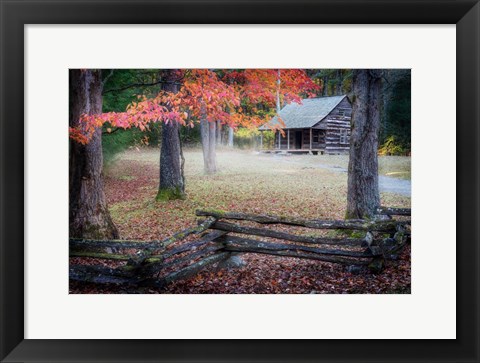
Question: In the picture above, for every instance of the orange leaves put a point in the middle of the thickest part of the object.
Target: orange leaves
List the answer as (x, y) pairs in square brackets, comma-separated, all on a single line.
[(138, 114), (204, 94), (261, 85), (78, 136)]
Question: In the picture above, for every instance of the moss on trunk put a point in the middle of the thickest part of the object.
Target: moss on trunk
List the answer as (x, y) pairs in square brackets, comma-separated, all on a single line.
[(165, 194)]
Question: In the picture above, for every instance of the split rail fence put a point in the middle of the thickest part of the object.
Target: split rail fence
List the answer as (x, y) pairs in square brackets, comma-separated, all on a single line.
[(220, 235)]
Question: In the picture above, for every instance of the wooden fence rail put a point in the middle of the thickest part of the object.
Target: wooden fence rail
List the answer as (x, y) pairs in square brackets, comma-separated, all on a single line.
[(158, 263)]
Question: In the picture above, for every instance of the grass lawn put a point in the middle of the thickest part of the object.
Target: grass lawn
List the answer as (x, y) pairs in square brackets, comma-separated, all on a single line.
[(393, 166), (246, 182)]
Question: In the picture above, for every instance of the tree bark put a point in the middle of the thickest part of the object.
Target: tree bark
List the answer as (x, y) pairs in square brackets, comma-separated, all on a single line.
[(238, 243), (192, 269), (208, 136), (204, 136), (231, 227), (80, 244), (352, 224), (89, 215), (159, 247), (363, 197), (172, 183), (100, 274), (279, 107), (339, 82), (212, 151), (325, 86), (219, 133), (230, 136), (394, 211), (195, 244)]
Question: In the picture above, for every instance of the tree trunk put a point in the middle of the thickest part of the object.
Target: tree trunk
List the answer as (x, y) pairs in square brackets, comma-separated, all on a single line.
[(204, 134), (212, 153), (279, 106), (208, 135), (363, 197), (219, 133), (339, 82), (325, 86), (230, 136), (172, 183), (89, 216)]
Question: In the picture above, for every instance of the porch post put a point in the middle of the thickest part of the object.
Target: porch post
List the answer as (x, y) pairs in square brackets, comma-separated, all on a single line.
[(288, 139), (310, 139), (279, 144), (261, 140)]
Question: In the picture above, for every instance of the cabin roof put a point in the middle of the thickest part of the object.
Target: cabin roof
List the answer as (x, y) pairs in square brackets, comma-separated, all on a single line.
[(307, 114)]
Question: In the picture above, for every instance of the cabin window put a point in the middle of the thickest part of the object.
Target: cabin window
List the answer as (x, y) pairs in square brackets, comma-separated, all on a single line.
[(315, 136), (343, 136)]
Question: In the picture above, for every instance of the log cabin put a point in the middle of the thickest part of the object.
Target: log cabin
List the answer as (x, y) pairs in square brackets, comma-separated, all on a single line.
[(317, 125)]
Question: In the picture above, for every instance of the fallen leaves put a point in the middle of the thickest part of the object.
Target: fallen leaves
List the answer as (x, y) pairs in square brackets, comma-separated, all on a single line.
[(245, 183)]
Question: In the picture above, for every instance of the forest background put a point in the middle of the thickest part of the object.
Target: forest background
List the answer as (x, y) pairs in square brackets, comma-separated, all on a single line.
[(122, 86)]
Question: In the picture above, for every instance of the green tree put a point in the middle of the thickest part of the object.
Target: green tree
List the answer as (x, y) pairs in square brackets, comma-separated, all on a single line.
[(395, 132), (121, 87)]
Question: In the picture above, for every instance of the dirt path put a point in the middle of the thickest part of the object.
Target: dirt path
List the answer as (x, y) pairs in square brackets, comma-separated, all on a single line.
[(395, 185), (387, 184)]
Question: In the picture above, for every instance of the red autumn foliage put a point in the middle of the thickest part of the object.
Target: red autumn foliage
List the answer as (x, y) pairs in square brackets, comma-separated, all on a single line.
[(231, 100)]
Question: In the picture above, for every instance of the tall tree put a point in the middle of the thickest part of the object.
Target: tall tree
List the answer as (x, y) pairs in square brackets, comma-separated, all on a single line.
[(396, 115), (89, 216), (208, 136), (363, 195), (212, 102), (334, 82), (172, 181), (219, 133)]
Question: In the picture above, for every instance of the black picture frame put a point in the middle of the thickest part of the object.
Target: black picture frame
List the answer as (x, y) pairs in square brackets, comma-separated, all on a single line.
[(15, 14)]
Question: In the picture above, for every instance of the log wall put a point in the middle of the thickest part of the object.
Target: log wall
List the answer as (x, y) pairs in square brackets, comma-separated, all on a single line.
[(318, 138), (338, 124)]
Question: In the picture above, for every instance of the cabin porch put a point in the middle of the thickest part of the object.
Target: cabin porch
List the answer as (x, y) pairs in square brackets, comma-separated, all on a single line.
[(295, 151), (307, 140)]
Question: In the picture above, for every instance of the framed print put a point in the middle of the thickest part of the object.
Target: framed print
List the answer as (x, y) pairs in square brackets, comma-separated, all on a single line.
[(432, 317)]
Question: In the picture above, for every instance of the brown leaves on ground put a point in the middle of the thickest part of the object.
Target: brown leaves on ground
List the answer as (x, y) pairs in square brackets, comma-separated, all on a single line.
[(282, 275), (248, 183)]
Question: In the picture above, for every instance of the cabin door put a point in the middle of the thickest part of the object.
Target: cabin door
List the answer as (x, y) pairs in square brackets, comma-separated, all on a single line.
[(298, 139)]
